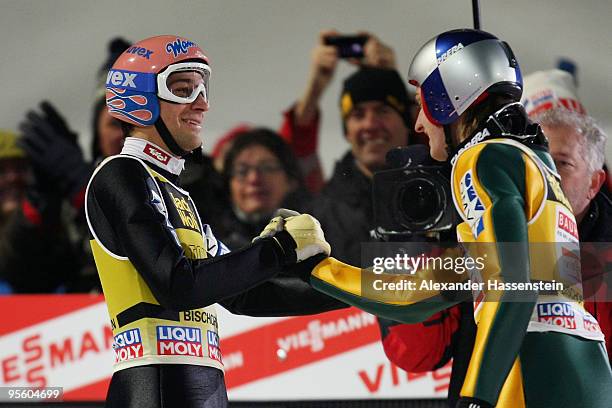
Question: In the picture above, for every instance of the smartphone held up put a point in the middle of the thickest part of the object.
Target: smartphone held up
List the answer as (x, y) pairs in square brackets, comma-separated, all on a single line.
[(349, 46)]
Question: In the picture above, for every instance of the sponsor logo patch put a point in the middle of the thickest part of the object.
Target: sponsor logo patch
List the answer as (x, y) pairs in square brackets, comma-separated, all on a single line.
[(451, 51), (157, 154), (477, 138), (141, 51), (214, 351), (590, 324), (179, 341), (567, 229), (127, 345), (179, 46), (473, 208), (121, 78), (557, 314)]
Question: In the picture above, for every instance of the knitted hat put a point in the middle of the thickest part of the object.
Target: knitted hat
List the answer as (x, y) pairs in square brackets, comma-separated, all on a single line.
[(375, 84), (8, 146), (544, 90)]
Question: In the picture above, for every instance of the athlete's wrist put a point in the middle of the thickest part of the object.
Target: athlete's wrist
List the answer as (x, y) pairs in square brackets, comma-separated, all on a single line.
[(285, 245)]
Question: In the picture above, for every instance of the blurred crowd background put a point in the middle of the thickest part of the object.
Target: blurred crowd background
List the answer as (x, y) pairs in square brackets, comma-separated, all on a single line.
[(260, 50)]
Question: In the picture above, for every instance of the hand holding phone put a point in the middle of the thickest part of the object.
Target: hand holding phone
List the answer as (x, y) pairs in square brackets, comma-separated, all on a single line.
[(349, 46)]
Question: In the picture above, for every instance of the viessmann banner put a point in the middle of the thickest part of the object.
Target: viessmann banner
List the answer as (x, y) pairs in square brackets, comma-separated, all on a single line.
[(66, 341)]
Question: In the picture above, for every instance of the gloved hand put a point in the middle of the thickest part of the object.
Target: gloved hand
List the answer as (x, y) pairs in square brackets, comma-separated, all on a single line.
[(465, 402), (277, 223), (56, 157), (286, 213), (308, 235), (305, 231)]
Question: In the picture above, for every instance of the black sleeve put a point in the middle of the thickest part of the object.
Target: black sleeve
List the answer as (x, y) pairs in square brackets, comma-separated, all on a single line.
[(284, 295), (131, 226)]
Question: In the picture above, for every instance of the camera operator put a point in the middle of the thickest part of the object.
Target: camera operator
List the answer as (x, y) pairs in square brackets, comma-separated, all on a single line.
[(413, 204)]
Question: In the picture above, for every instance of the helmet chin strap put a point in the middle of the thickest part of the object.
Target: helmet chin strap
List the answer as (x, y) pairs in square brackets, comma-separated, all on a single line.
[(163, 131)]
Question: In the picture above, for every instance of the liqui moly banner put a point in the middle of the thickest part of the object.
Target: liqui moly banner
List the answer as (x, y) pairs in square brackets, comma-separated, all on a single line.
[(66, 341)]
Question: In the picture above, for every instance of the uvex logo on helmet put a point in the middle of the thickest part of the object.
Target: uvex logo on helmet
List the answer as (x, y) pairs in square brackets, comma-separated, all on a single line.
[(119, 78), (179, 46), (143, 52)]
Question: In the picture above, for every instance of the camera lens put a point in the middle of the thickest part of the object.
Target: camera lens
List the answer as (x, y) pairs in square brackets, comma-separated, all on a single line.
[(419, 203)]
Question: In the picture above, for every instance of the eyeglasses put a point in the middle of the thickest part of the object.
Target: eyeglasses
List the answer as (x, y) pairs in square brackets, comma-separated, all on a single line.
[(241, 171)]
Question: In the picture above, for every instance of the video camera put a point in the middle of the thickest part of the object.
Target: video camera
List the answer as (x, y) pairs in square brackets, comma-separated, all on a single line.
[(414, 196)]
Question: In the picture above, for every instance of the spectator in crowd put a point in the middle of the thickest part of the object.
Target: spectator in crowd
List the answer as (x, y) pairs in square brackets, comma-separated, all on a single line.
[(263, 176), (54, 207), (554, 89), (224, 144), (301, 140), (36, 254), (577, 146), (57, 158), (14, 175), (376, 116)]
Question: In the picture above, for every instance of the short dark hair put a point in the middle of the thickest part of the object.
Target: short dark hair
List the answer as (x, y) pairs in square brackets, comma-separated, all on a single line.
[(270, 140)]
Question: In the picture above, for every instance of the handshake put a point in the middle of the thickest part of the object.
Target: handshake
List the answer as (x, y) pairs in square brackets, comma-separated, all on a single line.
[(304, 229)]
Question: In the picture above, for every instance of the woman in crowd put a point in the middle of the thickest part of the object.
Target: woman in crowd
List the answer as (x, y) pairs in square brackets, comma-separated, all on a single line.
[(262, 176)]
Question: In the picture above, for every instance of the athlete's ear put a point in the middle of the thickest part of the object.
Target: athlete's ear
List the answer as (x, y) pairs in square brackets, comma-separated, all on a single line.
[(597, 179)]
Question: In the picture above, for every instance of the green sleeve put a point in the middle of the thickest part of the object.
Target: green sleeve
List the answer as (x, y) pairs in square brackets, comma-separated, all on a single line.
[(501, 172), (404, 313)]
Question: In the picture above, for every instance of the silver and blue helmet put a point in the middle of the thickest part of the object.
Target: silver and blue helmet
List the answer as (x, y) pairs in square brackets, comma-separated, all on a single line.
[(459, 67)]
